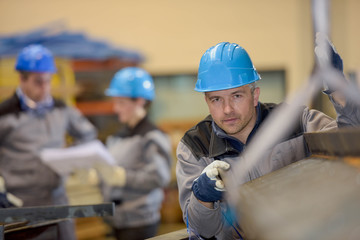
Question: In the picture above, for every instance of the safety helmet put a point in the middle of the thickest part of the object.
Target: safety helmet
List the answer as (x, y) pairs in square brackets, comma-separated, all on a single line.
[(224, 66), (132, 82), (35, 58)]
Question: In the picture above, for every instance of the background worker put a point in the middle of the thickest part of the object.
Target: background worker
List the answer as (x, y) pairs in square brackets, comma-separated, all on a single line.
[(228, 78), (31, 120), (143, 156)]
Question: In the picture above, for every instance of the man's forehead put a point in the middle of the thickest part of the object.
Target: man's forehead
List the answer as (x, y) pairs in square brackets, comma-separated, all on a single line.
[(230, 91), (39, 76)]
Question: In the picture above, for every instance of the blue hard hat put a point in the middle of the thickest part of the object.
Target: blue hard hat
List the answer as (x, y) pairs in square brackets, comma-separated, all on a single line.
[(132, 82), (224, 66), (35, 58)]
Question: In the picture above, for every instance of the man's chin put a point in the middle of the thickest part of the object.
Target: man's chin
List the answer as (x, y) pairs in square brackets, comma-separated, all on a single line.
[(231, 131)]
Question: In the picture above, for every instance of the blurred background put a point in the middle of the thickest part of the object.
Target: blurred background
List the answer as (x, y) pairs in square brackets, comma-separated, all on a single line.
[(93, 39)]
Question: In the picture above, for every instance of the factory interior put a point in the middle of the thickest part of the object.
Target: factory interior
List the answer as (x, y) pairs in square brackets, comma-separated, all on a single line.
[(92, 40)]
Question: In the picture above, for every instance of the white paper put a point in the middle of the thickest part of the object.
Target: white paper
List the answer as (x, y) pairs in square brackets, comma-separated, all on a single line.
[(83, 156)]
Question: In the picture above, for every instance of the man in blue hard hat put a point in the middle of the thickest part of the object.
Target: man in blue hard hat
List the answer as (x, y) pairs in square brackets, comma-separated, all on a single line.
[(31, 120), (228, 78), (143, 156)]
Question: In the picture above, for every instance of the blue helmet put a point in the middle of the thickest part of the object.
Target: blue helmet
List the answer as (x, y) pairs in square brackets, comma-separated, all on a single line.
[(224, 66), (132, 82), (35, 58)]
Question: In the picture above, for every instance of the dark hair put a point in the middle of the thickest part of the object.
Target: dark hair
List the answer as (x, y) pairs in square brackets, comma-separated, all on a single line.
[(24, 74), (147, 104)]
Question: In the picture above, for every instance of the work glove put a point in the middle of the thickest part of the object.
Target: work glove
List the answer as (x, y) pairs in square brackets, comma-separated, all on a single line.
[(209, 187), (114, 176), (7, 199), (328, 54)]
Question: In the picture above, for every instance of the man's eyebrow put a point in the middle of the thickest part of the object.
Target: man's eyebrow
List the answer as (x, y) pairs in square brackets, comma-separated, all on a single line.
[(232, 93), (238, 91), (210, 97)]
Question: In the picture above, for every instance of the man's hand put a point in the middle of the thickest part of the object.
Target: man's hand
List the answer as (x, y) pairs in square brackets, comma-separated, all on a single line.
[(209, 187), (112, 175), (7, 199)]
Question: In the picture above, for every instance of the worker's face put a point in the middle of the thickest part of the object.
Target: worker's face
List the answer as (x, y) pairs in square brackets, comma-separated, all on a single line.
[(36, 86), (233, 110), (126, 108)]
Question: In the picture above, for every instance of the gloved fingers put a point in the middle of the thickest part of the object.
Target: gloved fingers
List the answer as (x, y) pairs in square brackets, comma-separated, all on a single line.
[(112, 175), (326, 51), (212, 169), (103, 169), (322, 55), (205, 189), (322, 49), (217, 164), (219, 185), (220, 164), (212, 173), (321, 38), (2, 185), (8, 197), (17, 202)]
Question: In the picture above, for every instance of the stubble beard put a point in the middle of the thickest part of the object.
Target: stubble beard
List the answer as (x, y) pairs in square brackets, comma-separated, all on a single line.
[(237, 128)]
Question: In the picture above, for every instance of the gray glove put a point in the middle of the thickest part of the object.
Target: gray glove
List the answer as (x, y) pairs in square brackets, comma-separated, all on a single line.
[(327, 54)]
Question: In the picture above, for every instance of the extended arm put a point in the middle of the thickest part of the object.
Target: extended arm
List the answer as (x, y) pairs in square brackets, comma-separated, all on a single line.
[(153, 170), (206, 221), (335, 84)]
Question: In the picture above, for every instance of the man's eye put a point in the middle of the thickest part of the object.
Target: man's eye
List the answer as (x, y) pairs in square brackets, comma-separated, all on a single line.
[(215, 99)]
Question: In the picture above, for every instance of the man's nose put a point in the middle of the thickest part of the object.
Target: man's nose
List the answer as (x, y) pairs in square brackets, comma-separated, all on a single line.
[(228, 108), (43, 83)]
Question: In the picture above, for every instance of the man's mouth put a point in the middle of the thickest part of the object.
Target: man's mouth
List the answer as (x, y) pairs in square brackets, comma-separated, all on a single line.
[(229, 120)]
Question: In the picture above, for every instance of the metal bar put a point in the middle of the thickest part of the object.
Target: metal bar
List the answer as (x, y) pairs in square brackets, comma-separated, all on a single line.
[(44, 213)]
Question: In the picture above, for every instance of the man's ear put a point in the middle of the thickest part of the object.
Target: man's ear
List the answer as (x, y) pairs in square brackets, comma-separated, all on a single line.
[(256, 96)]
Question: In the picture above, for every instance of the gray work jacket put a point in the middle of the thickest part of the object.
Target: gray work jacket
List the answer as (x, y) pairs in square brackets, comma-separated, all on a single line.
[(23, 135), (145, 153), (201, 145)]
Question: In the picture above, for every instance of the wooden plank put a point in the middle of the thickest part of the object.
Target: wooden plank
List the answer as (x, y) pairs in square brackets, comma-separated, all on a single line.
[(95, 108), (95, 65), (176, 235)]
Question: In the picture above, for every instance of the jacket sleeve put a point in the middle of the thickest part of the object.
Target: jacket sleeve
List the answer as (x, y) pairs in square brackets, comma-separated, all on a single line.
[(79, 127), (204, 221), (156, 172), (347, 116)]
